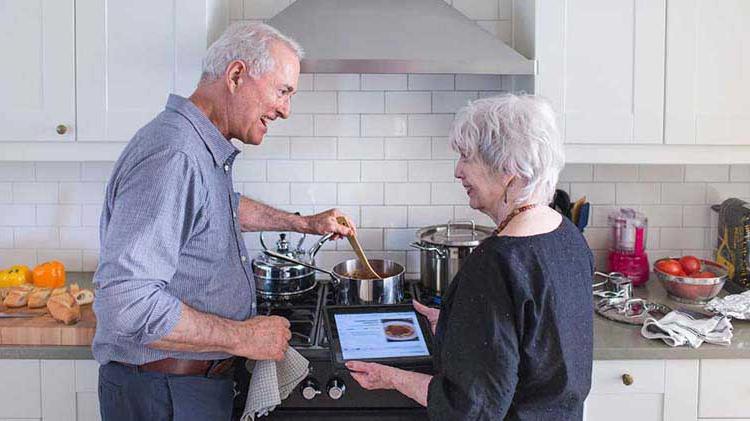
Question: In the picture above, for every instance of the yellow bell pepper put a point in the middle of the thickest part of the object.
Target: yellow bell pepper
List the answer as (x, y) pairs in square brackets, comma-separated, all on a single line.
[(16, 275)]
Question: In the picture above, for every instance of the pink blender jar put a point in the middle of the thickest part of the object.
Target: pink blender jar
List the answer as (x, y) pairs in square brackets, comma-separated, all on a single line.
[(627, 253)]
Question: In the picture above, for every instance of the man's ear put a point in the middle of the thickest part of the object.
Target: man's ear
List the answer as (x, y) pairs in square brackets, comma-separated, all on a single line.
[(234, 75)]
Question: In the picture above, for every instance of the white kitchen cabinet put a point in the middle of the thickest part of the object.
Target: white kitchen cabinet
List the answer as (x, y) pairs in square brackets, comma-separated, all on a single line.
[(601, 64), (37, 78), (707, 82), (658, 390), (130, 56), (725, 389), (21, 389)]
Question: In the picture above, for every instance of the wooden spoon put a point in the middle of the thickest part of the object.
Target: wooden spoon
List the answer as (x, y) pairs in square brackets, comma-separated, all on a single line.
[(358, 249)]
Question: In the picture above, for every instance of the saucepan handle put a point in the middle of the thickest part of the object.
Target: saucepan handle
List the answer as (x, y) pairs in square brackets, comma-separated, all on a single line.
[(335, 279), (419, 246)]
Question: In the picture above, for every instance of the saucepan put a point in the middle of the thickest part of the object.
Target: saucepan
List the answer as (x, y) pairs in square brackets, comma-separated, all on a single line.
[(351, 285)]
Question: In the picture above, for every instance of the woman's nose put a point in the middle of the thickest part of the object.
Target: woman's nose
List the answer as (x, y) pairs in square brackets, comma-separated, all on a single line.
[(457, 172)]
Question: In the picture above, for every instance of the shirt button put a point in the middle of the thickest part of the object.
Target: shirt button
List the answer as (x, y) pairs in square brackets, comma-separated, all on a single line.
[(244, 259), (234, 214), (226, 168)]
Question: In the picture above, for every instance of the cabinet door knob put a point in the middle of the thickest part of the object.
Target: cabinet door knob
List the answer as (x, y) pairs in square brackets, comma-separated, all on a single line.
[(627, 379), (61, 129)]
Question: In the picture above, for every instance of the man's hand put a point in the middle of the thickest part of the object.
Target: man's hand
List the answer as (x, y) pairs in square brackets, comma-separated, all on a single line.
[(263, 338), (372, 376), (325, 222), (432, 314)]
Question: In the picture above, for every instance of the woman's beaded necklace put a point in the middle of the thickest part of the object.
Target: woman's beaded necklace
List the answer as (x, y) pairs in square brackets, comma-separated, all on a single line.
[(510, 216)]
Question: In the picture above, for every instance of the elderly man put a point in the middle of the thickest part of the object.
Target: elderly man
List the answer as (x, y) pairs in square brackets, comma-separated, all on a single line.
[(175, 292)]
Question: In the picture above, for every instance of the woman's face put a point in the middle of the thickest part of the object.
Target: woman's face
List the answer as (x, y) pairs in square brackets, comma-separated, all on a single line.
[(484, 188)]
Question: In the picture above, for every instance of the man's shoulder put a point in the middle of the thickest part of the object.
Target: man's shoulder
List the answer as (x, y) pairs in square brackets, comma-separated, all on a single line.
[(171, 132)]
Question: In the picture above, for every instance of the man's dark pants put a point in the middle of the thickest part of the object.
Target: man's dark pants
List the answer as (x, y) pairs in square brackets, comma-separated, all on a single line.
[(127, 393)]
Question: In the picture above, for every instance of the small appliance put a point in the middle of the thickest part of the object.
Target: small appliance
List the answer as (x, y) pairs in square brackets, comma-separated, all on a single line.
[(627, 252)]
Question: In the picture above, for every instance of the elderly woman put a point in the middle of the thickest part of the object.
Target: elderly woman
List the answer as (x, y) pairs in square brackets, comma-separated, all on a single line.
[(514, 335)]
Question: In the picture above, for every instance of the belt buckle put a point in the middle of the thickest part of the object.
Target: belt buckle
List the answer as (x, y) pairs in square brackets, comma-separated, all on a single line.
[(216, 367)]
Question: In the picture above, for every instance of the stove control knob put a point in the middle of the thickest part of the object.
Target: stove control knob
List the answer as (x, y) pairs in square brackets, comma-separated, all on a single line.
[(336, 388), (310, 388)]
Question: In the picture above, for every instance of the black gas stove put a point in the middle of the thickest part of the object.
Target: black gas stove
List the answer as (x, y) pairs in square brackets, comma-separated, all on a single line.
[(329, 392)]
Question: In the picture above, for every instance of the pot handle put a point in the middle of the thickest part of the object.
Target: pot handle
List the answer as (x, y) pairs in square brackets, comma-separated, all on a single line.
[(314, 250), (440, 252), (297, 262), (456, 221)]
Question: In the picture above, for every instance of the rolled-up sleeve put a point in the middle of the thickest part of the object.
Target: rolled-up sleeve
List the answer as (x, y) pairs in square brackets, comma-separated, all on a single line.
[(151, 212)]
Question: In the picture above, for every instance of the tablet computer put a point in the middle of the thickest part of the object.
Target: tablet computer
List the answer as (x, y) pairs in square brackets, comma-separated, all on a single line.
[(387, 334)]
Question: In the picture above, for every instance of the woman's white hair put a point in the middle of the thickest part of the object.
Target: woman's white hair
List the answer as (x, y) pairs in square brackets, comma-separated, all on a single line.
[(516, 135), (249, 42)]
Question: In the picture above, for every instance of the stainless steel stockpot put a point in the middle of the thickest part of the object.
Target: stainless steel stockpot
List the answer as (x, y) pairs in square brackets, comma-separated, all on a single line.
[(444, 248)]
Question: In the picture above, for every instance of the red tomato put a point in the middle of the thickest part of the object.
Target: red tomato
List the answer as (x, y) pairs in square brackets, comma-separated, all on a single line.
[(702, 275), (671, 267), (690, 264)]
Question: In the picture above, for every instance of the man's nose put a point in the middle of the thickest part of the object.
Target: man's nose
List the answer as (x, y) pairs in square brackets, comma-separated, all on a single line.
[(285, 108)]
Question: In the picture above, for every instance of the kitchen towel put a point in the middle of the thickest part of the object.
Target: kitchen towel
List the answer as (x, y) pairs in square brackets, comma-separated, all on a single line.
[(273, 381), (736, 306), (678, 328)]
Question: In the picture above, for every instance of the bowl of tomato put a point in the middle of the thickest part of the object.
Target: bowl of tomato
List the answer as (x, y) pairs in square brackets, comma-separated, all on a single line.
[(690, 280)]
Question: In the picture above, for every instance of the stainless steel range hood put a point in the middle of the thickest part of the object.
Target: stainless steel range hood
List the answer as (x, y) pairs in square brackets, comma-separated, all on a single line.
[(395, 36)]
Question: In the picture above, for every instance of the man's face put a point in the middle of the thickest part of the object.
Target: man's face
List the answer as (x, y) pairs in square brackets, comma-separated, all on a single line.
[(256, 102)]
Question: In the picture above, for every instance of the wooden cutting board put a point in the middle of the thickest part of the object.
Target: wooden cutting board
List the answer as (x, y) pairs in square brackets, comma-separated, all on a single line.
[(44, 330)]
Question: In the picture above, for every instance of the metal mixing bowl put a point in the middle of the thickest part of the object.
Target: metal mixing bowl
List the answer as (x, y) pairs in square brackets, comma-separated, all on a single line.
[(693, 290)]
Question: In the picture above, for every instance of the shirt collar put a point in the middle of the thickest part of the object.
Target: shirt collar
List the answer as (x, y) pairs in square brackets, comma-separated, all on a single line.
[(221, 149)]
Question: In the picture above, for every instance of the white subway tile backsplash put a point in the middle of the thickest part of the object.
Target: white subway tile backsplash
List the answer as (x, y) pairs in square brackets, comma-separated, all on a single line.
[(408, 102), (422, 216), (465, 82), (451, 102), (408, 148), (15, 256), (6, 193), (290, 171), (696, 216), (342, 171), (662, 173), (96, 171), (35, 192), (313, 147), (361, 102), (383, 82), (82, 192), (360, 193), (384, 216), (360, 148), (739, 172), (616, 173), (90, 260), (399, 238), (72, 259), (305, 82), (465, 213), (598, 214), (596, 193), (254, 170), (431, 170), (58, 215), (6, 238), (295, 125), (263, 9), (35, 237), (336, 82), (430, 82), (662, 215), (384, 171), (14, 215), (577, 172), (682, 238), (683, 193), (79, 238), (383, 125), (430, 124), (449, 194), (369, 239), (17, 171), (718, 192), (272, 148), (312, 193), (441, 149), (90, 215), (58, 171), (407, 194), (477, 9), (314, 102), (271, 193), (336, 125), (597, 238), (706, 173), (638, 193)]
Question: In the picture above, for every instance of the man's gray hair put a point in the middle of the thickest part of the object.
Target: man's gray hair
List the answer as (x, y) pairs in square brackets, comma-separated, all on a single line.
[(516, 135), (247, 41)]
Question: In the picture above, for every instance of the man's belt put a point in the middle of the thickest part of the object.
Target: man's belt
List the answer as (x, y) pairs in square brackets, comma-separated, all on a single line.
[(206, 368)]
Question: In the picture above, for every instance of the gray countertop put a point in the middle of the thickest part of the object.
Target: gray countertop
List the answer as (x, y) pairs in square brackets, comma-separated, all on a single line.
[(612, 340)]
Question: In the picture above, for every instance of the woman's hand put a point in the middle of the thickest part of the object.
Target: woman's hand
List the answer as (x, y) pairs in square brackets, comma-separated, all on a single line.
[(432, 314), (372, 376)]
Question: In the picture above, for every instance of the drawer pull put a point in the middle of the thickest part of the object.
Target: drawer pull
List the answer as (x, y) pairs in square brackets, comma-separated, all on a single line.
[(61, 129), (627, 379)]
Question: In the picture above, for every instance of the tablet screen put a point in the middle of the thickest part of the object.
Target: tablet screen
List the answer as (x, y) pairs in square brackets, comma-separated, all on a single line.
[(364, 336)]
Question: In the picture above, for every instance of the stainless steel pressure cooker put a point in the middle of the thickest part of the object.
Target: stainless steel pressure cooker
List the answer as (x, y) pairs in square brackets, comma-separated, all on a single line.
[(444, 248)]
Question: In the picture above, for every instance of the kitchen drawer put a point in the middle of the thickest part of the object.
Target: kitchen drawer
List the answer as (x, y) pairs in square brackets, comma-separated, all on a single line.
[(21, 389), (647, 376), (724, 390)]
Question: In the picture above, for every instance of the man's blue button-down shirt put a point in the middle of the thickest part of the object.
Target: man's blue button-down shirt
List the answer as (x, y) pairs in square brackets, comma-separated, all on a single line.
[(169, 233)]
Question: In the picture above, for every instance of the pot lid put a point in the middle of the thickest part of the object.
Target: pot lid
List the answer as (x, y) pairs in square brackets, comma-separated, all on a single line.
[(455, 234)]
